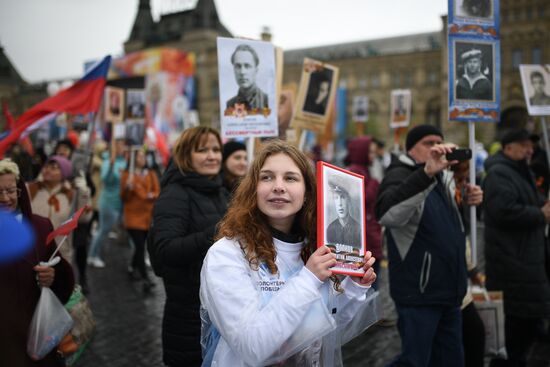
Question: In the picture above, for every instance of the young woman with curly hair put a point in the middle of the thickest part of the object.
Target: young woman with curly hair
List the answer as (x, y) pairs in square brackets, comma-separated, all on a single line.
[(267, 294)]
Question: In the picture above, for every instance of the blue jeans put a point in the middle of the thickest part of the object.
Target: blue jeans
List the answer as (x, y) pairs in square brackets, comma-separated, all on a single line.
[(430, 336), (108, 217)]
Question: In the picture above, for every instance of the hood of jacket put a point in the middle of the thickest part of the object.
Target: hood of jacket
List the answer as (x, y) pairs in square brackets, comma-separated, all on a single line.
[(501, 158), (194, 180), (358, 151)]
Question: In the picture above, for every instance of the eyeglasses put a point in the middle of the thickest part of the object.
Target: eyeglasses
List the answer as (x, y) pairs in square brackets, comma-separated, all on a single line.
[(13, 192)]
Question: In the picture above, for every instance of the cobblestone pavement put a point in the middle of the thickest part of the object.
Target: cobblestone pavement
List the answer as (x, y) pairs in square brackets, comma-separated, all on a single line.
[(128, 330)]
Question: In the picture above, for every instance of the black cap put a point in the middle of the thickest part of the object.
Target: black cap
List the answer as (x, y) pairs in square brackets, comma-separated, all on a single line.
[(418, 132), (231, 147), (512, 136)]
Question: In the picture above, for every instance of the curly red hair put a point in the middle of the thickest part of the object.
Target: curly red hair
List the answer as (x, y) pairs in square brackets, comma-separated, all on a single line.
[(246, 223)]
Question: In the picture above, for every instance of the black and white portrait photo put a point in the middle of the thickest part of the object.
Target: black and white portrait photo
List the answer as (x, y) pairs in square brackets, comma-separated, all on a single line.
[(135, 104), (360, 109), (474, 71), (536, 88), (342, 215), (474, 8), (318, 91), (400, 108), (247, 87), (135, 132)]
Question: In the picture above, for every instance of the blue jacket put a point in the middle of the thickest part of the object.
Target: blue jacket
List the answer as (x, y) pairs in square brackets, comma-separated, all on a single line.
[(426, 240)]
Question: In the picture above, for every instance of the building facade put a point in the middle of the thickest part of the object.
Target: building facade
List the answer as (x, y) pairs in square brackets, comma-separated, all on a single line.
[(417, 62)]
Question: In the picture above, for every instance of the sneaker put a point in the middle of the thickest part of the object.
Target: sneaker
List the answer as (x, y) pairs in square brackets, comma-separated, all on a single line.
[(89, 260), (112, 235), (98, 263)]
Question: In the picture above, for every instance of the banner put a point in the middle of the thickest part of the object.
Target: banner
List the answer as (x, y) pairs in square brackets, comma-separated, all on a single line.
[(474, 60), (247, 79)]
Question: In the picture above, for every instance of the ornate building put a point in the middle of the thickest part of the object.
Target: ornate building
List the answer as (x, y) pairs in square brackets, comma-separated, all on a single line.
[(374, 67)]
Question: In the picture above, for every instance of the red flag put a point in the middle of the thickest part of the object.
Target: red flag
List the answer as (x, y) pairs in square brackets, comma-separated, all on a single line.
[(26, 142), (68, 226), (82, 97)]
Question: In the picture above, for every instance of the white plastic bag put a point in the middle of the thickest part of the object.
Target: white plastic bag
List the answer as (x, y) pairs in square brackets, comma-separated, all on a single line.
[(49, 324)]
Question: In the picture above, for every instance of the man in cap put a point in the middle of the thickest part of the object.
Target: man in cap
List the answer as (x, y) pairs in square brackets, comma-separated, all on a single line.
[(540, 98), (426, 249), (473, 84), (344, 230), (245, 62), (515, 219)]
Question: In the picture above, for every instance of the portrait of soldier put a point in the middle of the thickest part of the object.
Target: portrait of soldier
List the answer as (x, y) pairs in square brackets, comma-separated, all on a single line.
[(344, 229), (318, 92), (245, 63), (473, 84), (476, 8), (539, 98), (400, 111)]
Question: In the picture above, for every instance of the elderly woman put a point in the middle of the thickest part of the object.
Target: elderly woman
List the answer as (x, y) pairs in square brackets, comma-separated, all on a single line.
[(20, 280), (54, 197)]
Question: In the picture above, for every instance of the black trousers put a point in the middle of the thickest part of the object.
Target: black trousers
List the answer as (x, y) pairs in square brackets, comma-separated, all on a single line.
[(138, 260), (81, 242), (473, 337), (520, 335)]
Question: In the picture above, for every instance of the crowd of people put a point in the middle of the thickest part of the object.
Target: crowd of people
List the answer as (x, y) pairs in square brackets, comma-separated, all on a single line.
[(235, 245)]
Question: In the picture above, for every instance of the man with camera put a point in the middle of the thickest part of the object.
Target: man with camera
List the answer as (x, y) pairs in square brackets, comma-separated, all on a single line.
[(426, 249), (516, 215)]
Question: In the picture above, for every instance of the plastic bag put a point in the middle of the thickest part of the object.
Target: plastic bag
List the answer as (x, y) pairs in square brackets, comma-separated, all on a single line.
[(49, 324)]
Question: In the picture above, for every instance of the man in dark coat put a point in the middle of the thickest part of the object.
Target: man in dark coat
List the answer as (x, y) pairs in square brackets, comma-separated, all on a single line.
[(515, 219), (184, 223)]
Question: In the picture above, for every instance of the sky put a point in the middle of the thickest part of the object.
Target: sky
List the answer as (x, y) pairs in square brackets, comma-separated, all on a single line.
[(51, 39)]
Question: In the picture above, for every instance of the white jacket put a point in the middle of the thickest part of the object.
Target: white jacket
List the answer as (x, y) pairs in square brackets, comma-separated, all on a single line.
[(289, 317)]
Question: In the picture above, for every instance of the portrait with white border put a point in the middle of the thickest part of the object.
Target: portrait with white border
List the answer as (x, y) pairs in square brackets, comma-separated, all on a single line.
[(535, 80), (247, 88)]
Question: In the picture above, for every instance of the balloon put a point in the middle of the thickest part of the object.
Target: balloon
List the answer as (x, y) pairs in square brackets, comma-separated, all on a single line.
[(17, 237)]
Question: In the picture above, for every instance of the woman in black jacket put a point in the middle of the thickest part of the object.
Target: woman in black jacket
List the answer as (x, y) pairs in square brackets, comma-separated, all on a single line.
[(191, 203)]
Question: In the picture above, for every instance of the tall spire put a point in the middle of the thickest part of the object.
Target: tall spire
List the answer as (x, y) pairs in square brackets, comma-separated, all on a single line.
[(144, 25)]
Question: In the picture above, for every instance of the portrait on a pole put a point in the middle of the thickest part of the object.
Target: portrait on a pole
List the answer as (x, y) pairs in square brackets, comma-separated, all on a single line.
[(536, 88), (247, 88), (479, 18), (135, 104), (474, 79), (341, 217), (114, 104), (474, 71), (360, 109), (316, 95), (400, 108)]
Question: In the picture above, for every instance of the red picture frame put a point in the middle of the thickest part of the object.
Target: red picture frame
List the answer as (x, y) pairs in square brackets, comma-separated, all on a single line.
[(341, 214)]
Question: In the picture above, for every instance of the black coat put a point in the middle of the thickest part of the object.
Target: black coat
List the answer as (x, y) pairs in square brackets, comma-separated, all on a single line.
[(184, 222), (514, 238)]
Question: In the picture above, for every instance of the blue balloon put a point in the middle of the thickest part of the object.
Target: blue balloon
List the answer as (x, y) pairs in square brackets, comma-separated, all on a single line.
[(16, 237)]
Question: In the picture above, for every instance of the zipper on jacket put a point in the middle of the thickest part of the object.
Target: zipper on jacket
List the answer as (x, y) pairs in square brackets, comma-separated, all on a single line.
[(425, 271)]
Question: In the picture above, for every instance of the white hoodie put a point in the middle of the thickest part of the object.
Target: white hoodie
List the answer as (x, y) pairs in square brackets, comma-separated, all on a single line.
[(290, 318)]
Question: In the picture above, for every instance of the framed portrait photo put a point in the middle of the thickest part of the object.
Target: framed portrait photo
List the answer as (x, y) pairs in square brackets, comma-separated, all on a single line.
[(247, 82), (316, 95), (474, 17), (536, 88), (474, 79), (400, 108), (360, 108), (114, 104), (341, 217), (135, 104)]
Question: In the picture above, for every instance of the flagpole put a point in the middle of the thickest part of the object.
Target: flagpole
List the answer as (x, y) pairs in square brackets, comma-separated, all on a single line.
[(473, 214)]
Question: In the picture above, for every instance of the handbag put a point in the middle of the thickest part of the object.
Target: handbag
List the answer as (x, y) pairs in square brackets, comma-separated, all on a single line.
[(490, 307), (75, 342)]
